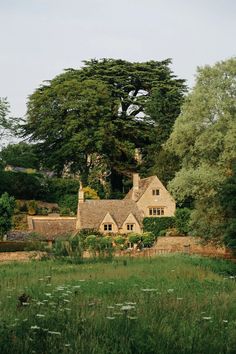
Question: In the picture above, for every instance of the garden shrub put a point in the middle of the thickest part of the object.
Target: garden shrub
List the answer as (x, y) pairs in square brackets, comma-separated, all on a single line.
[(148, 239), (155, 225), (134, 238), (7, 205), (69, 201), (182, 219), (17, 246)]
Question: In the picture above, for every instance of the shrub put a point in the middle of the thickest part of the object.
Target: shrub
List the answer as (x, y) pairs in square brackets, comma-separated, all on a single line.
[(65, 212), (7, 205), (134, 238), (17, 246), (182, 218), (119, 240), (155, 225), (148, 239), (32, 207), (69, 201)]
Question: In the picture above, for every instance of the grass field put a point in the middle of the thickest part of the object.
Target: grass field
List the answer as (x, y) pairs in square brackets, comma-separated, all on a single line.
[(169, 304)]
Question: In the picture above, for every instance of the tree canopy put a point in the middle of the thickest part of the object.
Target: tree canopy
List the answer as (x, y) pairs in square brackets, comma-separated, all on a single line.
[(96, 116), (204, 137), (21, 155)]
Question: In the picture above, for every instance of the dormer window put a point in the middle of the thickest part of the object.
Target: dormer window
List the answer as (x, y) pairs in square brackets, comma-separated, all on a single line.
[(107, 227), (156, 192)]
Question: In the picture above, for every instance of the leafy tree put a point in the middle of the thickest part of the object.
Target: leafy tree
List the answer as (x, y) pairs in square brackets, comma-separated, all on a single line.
[(21, 154), (227, 197), (95, 116), (7, 205), (204, 138), (182, 219)]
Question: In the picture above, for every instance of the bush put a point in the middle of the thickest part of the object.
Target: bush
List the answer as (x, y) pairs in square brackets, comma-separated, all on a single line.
[(69, 201), (22, 185), (60, 187), (7, 205), (148, 239), (17, 246), (134, 238), (32, 207), (155, 225), (182, 219)]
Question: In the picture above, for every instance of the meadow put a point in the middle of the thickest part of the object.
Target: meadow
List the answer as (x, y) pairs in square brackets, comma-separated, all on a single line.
[(168, 304)]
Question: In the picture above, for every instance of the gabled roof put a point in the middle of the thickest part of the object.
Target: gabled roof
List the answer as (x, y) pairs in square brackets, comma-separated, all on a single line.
[(144, 183), (92, 212)]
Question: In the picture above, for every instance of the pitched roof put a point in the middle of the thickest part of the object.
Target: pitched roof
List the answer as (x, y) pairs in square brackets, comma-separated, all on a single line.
[(143, 185), (92, 212)]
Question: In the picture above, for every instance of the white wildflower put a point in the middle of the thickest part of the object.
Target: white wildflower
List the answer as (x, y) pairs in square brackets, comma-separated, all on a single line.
[(56, 333), (127, 307), (35, 327), (40, 315), (207, 318), (110, 318)]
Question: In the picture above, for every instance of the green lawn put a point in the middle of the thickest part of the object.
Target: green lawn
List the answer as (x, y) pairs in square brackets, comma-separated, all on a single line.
[(169, 304)]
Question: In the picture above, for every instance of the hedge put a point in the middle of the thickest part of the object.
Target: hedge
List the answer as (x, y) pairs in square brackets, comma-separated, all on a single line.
[(17, 246), (155, 225)]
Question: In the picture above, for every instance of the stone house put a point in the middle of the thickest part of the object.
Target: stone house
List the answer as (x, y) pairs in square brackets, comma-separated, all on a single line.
[(147, 198)]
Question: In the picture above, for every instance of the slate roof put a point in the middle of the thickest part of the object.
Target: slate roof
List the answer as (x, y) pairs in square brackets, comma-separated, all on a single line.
[(143, 185), (92, 212)]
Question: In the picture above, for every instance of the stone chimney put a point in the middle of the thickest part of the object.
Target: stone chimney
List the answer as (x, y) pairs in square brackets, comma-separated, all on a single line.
[(135, 193), (81, 194)]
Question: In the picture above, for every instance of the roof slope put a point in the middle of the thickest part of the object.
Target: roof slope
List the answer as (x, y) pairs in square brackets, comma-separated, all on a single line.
[(92, 212), (143, 185)]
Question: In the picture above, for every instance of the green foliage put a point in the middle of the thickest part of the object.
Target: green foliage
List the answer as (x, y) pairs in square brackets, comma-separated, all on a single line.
[(69, 202), (119, 240), (227, 197), (182, 219), (20, 155), (17, 246), (60, 187), (148, 239), (204, 138), (7, 205), (32, 207), (134, 238), (155, 225), (23, 185), (107, 96)]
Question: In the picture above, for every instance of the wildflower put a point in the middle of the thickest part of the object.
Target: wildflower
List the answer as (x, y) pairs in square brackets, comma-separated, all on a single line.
[(132, 317), (56, 333), (179, 298), (48, 294), (111, 282), (127, 307), (65, 300), (119, 304), (25, 304), (100, 282), (110, 318), (91, 304), (81, 279), (40, 315), (225, 321), (40, 303), (67, 345), (67, 309), (35, 327), (149, 290), (40, 279), (76, 286), (170, 290), (118, 313), (130, 303), (207, 318), (110, 307)]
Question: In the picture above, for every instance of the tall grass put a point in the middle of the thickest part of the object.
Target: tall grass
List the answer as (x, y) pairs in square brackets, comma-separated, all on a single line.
[(169, 304)]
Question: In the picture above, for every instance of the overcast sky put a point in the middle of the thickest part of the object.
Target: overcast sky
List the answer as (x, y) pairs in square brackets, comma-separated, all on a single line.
[(40, 38)]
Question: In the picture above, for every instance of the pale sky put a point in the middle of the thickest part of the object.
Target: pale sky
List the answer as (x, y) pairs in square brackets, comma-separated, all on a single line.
[(40, 38)]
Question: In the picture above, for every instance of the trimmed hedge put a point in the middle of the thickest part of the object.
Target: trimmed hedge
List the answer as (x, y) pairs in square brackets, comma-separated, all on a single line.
[(155, 225), (17, 246)]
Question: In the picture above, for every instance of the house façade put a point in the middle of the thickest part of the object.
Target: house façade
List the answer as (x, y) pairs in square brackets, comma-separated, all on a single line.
[(147, 198)]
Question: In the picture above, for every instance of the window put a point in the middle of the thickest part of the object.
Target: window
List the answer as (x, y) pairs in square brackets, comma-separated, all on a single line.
[(156, 192), (107, 227), (156, 211), (130, 227)]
